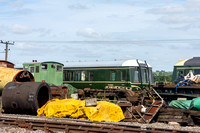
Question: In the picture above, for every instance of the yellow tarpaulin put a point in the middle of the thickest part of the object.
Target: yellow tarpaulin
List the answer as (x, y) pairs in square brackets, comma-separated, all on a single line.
[(104, 111)]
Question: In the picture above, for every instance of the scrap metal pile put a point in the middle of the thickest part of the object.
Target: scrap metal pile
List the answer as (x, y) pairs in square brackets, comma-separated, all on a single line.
[(143, 106), (181, 116)]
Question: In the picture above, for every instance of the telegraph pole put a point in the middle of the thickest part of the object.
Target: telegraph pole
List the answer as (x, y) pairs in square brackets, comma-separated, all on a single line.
[(7, 43)]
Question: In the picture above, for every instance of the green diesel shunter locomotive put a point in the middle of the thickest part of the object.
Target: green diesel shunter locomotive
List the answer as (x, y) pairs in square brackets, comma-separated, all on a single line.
[(96, 75), (49, 72)]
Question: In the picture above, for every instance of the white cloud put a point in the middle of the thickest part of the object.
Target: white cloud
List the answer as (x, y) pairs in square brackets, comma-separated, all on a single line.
[(78, 6), (187, 27), (174, 19), (167, 10), (178, 13), (3, 0), (88, 33), (18, 3), (23, 11), (20, 29), (192, 3), (42, 32), (2, 29)]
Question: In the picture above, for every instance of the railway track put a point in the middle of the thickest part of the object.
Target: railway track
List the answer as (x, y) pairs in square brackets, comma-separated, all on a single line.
[(84, 126)]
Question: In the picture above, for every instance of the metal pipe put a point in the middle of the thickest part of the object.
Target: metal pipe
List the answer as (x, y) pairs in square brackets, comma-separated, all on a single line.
[(25, 98)]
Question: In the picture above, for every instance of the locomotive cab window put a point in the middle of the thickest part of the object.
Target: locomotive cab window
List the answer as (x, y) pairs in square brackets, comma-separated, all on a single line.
[(25, 67), (59, 68), (32, 69), (44, 66), (37, 69)]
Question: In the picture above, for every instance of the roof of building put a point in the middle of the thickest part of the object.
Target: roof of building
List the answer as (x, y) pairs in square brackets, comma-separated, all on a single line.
[(116, 63)]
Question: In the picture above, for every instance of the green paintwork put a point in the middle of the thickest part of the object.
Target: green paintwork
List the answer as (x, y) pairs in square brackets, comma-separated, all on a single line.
[(52, 73), (87, 77), (102, 76), (184, 70)]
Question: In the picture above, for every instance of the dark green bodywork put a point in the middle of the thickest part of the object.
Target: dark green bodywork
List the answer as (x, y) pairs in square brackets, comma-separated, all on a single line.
[(180, 71), (105, 76)]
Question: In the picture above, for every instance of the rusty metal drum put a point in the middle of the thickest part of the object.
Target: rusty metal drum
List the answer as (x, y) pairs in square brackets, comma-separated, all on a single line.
[(25, 97), (11, 74)]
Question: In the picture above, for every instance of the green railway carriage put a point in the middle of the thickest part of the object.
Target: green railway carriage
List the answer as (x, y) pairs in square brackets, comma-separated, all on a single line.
[(183, 67), (50, 72), (181, 89), (97, 75)]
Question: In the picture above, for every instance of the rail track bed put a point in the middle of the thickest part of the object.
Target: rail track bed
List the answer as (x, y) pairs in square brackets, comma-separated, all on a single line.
[(85, 126)]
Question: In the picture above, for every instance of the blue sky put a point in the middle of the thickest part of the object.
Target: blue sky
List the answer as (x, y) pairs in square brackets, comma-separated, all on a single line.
[(158, 31)]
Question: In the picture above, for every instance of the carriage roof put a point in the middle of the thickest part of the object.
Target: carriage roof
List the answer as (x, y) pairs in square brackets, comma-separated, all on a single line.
[(116, 63)]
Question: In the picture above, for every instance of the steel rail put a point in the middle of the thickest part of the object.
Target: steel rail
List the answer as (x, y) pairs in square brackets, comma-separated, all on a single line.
[(50, 124)]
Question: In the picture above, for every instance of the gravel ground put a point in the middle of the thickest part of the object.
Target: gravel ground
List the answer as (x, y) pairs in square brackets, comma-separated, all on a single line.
[(12, 129)]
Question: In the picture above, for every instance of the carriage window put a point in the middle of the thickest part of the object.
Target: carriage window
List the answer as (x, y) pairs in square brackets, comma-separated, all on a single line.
[(91, 75), (180, 74), (83, 76), (144, 75), (37, 69), (123, 74), (196, 71), (59, 68), (113, 75), (136, 76), (66, 76), (78, 76), (71, 74), (44, 66), (150, 76)]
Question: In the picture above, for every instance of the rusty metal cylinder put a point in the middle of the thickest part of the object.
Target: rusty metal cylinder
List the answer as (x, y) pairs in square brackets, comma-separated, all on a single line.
[(25, 98), (11, 74)]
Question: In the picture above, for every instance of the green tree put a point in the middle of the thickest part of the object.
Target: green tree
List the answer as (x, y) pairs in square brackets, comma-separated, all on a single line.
[(162, 76)]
